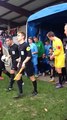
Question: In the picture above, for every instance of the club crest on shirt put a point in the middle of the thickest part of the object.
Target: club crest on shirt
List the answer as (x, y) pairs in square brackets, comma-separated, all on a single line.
[(28, 48)]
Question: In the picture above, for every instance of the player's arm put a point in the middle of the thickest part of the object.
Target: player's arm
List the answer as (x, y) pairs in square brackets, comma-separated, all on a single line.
[(35, 50), (26, 60), (18, 59), (56, 52), (28, 51), (57, 49)]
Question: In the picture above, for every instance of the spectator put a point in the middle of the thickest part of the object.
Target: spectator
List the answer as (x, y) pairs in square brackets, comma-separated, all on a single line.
[(2, 66), (34, 52), (65, 31), (52, 73), (47, 47), (41, 54)]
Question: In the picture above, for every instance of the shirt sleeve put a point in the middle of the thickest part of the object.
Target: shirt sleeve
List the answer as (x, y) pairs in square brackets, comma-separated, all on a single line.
[(57, 48), (28, 50)]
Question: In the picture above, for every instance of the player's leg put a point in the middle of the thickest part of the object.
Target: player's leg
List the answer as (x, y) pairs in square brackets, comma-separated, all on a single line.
[(30, 72), (34, 82), (59, 71), (20, 87), (1, 78), (11, 82)]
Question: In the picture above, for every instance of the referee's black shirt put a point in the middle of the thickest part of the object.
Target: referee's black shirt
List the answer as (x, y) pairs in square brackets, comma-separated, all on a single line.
[(24, 50), (14, 52)]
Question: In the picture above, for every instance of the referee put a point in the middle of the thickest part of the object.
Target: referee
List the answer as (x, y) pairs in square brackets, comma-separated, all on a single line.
[(25, 54), (14, 54)]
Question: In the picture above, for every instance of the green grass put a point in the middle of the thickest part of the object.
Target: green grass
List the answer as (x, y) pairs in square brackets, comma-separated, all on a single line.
[(33, 108)]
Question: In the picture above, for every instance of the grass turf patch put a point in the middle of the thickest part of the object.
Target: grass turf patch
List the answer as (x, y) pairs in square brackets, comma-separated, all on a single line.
[(49, 104)]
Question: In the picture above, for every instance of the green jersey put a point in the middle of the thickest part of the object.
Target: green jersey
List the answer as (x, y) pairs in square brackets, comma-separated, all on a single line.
[(40, 47)]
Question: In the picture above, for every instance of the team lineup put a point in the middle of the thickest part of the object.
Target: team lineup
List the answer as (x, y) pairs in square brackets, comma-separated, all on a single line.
[(21, 60)]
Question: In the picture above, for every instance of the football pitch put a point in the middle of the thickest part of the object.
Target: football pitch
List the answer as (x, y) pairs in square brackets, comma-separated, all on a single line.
[(49, 104)]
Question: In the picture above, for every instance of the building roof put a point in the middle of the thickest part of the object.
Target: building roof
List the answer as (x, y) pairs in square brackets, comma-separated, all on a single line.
[(16, 12)]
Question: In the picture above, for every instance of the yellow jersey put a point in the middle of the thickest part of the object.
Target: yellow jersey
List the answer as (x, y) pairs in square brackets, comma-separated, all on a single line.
[(58, 52)]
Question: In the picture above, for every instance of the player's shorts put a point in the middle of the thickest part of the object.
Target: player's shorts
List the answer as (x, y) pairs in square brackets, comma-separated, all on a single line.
[(60, 61), (14, 65), (28, 69)]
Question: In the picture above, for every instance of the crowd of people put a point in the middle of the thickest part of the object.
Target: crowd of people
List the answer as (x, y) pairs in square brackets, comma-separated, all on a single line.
[(36, 58)]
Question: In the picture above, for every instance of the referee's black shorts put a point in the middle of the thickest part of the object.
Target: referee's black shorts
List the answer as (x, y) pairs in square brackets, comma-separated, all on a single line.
[(29, 69), (14, 65)]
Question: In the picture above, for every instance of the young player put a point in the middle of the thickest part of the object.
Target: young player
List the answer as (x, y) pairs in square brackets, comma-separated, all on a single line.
[(34, 52), (58, 55), (51, 62)]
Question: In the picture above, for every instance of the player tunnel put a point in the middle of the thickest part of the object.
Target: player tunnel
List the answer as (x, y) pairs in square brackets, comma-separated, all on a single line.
[(51, 18)]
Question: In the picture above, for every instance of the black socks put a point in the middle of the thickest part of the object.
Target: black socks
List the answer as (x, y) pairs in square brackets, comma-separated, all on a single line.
[(60, 78), (11, 80), (7, 73), (19, 83), (35, 85)]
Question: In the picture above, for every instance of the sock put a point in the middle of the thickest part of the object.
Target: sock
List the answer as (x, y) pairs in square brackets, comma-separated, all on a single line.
[(66, 77), (11, 80), (0, 72), (22, 80), (64, 74), (53, 71), (50, 74), (60, 78), (7, 73), (19, 83), (35, 85)]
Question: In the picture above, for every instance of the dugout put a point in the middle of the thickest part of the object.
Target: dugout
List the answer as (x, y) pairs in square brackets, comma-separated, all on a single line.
[(51, 18)]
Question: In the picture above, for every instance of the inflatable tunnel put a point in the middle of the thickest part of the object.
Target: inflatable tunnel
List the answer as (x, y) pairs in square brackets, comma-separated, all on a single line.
[(52, 18)]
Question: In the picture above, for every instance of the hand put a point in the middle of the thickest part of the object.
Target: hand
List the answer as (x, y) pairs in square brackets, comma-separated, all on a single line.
[(18, 65), (18, 59), (43, 56), (51, 57), (6, 59), (23, 64)]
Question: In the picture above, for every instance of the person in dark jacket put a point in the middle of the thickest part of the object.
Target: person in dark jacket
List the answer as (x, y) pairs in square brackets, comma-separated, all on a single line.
[(2, 66)]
